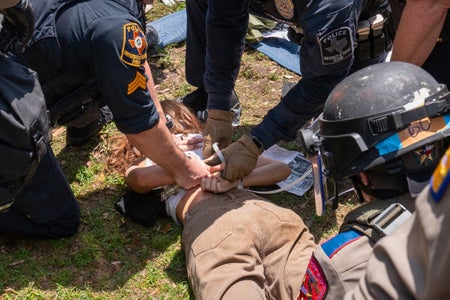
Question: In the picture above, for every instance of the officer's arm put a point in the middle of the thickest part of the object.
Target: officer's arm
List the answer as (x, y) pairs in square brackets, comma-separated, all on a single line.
[(119, 66), (157, 144), (419, 28)]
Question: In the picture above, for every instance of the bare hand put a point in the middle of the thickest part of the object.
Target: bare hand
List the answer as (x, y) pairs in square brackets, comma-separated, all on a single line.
[(216, 184), (187, 143), (191, 173)]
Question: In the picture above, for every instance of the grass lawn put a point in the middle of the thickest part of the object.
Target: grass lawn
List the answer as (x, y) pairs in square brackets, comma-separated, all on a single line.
[(112, 257)]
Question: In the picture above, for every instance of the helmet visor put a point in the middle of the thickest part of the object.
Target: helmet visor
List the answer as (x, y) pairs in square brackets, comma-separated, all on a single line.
[(319, 183)]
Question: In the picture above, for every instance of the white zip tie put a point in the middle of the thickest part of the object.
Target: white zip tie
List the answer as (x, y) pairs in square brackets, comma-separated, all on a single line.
[(294, 183), (218, 152), (300, 179), (309, 171)]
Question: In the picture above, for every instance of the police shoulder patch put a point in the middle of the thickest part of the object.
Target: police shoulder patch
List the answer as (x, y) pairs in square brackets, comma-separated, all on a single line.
[(134, 49), (315, 284), (336, 45), (441, 177)]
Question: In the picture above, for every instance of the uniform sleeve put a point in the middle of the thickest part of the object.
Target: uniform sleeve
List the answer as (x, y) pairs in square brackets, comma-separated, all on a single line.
[(119, 52), (326, 56), (414, 262)]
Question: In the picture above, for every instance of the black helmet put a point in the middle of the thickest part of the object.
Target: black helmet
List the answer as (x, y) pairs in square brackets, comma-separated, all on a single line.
[(379, 113)]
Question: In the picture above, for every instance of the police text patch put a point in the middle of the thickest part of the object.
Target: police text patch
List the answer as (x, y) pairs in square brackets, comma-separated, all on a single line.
[(336, 45), (134, 49)]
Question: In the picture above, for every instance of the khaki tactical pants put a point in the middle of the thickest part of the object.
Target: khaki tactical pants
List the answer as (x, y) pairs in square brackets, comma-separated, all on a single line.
[(240, 246)]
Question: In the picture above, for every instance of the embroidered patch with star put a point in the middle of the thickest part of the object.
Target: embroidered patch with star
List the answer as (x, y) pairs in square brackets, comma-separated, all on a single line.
[(336, 45), (424, 154), (134, 49)]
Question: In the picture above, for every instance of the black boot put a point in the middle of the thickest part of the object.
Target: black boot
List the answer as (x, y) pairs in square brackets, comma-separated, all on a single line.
[(198, 99), (144, 209), (78, 136)]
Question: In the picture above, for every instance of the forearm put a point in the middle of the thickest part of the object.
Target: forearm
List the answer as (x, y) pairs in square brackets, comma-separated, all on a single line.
[(303, 102), (266, 173), (143, 179), (419, 28), (157, 144)]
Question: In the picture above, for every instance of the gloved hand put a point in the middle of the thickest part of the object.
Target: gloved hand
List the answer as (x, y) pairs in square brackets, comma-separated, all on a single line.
[(17, 27), (218, 129), (240, 158)]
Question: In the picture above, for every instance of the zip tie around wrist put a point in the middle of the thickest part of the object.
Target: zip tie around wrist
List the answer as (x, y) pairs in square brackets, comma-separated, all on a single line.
[(218, 152), (298, 180)]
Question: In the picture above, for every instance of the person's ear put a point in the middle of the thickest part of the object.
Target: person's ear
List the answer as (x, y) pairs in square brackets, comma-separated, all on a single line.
[(364, 178)]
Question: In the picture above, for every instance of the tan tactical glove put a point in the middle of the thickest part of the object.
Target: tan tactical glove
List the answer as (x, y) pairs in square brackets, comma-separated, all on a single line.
[(240, 158), (218, 129)]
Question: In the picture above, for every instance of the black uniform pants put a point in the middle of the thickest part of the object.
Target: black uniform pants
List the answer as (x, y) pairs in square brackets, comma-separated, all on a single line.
[(46, 207)]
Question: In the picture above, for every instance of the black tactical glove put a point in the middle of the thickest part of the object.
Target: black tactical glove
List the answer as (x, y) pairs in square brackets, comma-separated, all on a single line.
[(17, 27)]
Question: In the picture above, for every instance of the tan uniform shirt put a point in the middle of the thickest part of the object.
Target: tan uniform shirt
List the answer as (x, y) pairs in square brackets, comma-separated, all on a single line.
[(414, 262)]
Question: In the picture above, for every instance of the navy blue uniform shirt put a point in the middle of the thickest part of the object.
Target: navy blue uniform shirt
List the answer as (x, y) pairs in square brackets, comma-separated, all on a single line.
[(93, 49), (215, 42)]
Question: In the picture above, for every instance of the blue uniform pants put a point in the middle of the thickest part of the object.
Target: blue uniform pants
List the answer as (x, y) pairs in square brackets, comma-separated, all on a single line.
[(215, 40)]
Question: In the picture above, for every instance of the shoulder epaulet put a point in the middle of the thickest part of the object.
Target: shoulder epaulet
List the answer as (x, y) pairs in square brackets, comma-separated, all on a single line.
[(441, 177)]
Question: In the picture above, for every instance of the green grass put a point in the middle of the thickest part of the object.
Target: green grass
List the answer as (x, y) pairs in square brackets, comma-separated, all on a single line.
[(112, 257)]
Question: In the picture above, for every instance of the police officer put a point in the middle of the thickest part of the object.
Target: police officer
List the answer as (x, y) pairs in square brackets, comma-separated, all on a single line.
[(413, 263), (389, 163), (93, 53), (423, 37), (28, 206), (338, 37)]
